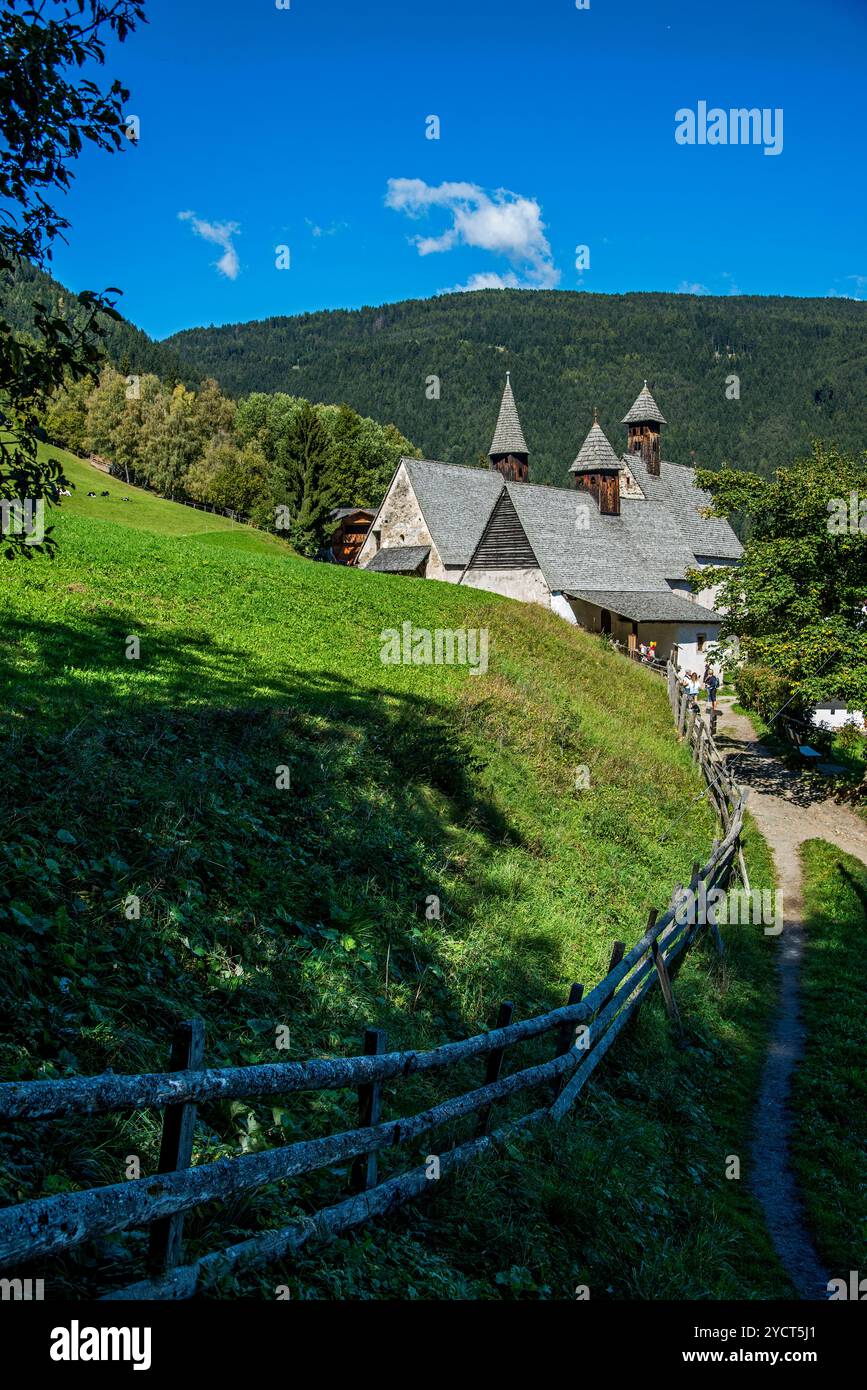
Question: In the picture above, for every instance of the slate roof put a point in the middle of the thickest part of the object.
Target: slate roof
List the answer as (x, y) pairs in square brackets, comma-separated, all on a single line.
[(595, 453), (710, 537), (456, 502), (508, 436), (579, 548), (654, 540), (398, 559), (645, 408), (649, 607)]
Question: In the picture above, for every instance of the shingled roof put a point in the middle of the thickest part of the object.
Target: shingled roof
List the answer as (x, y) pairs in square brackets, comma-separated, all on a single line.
[(595, 453), (650, 607), (709, 537), (455, 502), (398, 559), (645, 408), (508, 436)]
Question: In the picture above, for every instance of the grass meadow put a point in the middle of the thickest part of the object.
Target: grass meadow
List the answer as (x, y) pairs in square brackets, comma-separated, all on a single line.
[(308, 905)]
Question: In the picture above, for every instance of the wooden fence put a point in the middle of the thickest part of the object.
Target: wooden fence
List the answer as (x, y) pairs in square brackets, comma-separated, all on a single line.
[(583, 1031)]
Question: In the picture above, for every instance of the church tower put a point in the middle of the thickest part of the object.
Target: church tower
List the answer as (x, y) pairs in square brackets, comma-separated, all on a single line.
[(597, 470), (643, 422), (508, 452)]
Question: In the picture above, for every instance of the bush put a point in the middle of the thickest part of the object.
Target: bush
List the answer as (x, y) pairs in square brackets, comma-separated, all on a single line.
[(761, 689)]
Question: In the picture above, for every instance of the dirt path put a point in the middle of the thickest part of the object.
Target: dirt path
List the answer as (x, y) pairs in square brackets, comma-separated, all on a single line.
[(787, 812)]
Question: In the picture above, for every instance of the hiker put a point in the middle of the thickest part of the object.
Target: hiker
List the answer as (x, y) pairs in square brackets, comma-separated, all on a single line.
[(711, 681), (692, 689), (643, 650), (651, 653)]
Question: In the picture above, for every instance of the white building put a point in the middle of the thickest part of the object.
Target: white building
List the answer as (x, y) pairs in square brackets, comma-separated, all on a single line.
[(610, 554)]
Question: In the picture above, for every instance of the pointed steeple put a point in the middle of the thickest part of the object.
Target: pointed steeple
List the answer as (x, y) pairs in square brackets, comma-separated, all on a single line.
[(644, 409), (508, 452), (595, 453), (642, 430), (597, 470)]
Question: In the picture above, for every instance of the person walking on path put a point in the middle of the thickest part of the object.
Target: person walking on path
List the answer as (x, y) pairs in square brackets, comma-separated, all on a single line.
[(711, 680)]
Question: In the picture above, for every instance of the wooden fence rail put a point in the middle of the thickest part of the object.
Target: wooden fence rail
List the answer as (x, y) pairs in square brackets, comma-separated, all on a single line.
[(585, 1028)]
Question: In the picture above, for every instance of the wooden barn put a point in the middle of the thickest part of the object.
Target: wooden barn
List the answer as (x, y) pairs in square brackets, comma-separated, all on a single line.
[(351, 525)]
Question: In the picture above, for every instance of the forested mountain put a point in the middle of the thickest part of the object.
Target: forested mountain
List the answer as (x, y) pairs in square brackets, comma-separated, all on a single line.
[(128, 347), (801, 365)]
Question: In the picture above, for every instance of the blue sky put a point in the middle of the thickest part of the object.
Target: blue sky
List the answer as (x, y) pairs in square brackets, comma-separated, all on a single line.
[(306, 128)]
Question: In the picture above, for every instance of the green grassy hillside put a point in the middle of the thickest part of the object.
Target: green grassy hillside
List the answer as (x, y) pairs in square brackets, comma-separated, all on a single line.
[(263, 905), (134, 507)]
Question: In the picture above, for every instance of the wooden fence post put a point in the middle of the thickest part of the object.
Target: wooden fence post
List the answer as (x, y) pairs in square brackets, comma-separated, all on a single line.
[(494, 1063), (565, 1034), (696, 748), (176, 1146), (664, 982), (681, 713), (617, 952), (365, 1166)]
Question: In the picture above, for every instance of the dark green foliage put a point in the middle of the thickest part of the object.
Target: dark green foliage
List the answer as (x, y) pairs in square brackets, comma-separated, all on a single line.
[(796, 602), (48, 111), (303, 484), (126, 346), (802, 366)]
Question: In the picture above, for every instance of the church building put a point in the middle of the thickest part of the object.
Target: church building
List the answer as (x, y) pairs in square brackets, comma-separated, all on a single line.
[(610, 554)]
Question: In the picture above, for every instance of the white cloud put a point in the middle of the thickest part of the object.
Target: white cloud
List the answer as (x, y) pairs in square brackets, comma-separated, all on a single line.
[(486, 280), (220, 233), (504, 223), (332, 230), (686, 288)]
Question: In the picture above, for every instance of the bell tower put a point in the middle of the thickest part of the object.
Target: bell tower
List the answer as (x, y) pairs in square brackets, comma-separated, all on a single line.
[(643, 436), (597, 470), (508, 452)]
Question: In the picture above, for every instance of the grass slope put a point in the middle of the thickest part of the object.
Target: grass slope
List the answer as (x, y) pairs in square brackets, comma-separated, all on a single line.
[(141, 510), (262, 907), (830, 1091)]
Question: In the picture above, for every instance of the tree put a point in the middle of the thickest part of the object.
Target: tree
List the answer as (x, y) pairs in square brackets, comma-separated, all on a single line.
[(170, 441), (65, 418), (798, 601), (45, 118), (302, 481), (230, 478), (364, 455)]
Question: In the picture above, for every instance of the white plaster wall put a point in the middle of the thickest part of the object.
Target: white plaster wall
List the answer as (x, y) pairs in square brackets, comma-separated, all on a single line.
[(527, 585), (835, 715), (561, 605), (689, 658), (708, 597)]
